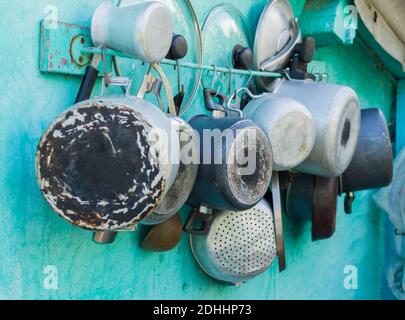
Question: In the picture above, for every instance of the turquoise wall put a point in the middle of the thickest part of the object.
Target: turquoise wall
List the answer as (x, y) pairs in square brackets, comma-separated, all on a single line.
[(33, 237)]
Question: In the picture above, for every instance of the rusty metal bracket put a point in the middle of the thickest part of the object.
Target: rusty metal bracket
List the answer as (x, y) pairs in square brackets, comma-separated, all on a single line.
[(61, 48)]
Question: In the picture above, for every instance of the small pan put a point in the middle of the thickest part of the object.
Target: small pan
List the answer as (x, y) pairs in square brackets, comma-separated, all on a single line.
[(312, 198)]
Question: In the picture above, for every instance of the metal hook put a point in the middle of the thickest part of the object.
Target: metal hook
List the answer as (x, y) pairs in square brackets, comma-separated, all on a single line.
[(233, 109), (230, 80), (286, 73), (219, 89), (235, 95), (250, 77), (214, 77), (178, 75)]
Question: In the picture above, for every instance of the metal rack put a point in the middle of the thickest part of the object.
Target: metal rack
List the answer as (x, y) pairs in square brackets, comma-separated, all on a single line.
[(190, 65)]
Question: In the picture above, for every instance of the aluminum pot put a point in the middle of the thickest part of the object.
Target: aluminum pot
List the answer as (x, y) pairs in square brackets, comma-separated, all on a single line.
[(372, 165), (236, 163), (277, 34), (237, 246), (107, 163), (336, 112), (187, 174), (289, 127), (143, 31), (311, 198)]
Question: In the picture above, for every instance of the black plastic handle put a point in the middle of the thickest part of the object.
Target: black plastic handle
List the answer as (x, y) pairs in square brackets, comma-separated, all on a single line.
[(210, 104), (348, 204), (87, 85), (242, 57), (308, 50), (178, 49), (204, 221)]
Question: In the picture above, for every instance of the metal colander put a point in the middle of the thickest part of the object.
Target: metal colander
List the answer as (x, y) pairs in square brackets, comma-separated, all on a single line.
[(238, 245)]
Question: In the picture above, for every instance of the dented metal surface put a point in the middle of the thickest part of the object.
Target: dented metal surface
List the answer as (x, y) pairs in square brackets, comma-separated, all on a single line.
[(223, 184), (82, 265), (178, 194), (101, 166)]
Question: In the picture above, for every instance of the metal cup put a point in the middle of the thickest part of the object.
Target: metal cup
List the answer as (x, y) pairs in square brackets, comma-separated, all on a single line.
[(143, 31)]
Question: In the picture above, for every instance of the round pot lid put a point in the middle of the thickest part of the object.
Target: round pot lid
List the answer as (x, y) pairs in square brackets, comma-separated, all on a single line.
[(277, 34), (185, 23), (224, 24)]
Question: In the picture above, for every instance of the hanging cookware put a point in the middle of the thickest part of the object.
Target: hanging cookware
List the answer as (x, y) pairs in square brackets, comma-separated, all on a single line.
[(311, 198), (277, 34), (225, 24), (235, 247), (143, 31), (185, 179), (289, 127), (336, 112), (372, 164), (186, 25), (164, 236), (235, 163), (107, 163)]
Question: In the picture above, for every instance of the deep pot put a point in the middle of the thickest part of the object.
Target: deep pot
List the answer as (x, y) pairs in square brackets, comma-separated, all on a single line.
[(223, 182), (336, 112), (288, 125), (372, 165), (143, 31), (107, 163)]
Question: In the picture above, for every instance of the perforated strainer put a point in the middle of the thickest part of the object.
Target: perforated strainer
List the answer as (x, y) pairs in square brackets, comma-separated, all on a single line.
[(237, 246)]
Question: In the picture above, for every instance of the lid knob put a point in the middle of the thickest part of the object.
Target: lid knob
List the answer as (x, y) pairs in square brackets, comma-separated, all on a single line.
[(178, 49), (242, 57)]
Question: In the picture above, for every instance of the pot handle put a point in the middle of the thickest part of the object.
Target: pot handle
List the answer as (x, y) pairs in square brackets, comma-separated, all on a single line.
[(205, 220), (209, 95), (87, 85), (89, 79), (168, 88), (278, 221)]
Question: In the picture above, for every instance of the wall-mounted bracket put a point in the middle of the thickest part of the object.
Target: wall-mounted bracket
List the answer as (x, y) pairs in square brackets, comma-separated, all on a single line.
[(330, 22), (61, 48)]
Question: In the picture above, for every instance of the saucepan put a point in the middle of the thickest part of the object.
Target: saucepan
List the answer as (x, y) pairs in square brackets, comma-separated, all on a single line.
[(143, 31), (336, 112), (289, 127), (107, 163), (185, 179), (372, 165), (236, 163)]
